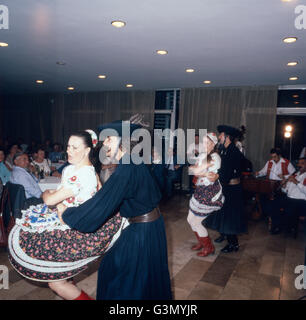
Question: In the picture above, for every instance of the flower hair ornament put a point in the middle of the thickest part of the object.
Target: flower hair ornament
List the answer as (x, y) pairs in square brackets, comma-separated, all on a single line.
[(94, 137), (212, 136)]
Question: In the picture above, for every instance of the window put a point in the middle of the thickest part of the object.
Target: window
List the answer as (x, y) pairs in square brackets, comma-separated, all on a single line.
[(166, 110)]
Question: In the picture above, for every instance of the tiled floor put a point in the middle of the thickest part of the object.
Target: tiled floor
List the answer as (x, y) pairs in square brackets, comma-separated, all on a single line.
[(263, 268)]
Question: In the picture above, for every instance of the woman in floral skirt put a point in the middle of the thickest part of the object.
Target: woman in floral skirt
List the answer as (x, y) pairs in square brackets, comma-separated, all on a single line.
[(207, 197), (42, 247)]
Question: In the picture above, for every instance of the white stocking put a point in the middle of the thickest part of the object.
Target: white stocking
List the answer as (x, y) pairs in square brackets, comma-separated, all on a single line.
[(196, 224)]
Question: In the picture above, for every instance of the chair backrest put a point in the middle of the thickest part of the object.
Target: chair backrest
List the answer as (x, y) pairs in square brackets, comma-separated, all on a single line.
[(17, 198), (3, 229)]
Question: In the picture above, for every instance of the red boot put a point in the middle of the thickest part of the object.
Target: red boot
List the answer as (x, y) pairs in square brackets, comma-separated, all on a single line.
[(199, 245), (208, 247), (84, 296)]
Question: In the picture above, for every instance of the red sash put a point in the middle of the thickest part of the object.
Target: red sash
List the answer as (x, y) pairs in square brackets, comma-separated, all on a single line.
[(304, 182), (270, 164), (284, 168)]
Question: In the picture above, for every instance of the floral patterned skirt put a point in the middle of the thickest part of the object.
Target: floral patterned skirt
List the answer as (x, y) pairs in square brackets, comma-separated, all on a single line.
[(57, 255), (206, 199)]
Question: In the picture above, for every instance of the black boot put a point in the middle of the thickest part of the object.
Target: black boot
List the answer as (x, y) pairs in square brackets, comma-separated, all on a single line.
[(220, 239), (232, 245)]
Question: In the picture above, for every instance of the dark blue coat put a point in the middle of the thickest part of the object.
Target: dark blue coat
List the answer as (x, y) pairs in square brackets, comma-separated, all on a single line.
[(159, 173), (231, 219), (136, 267)]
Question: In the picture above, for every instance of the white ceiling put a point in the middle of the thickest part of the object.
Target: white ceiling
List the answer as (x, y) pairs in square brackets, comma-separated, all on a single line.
[(230, 42)]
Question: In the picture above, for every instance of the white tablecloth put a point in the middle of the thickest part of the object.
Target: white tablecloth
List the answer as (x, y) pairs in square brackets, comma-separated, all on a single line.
[(49, 183)]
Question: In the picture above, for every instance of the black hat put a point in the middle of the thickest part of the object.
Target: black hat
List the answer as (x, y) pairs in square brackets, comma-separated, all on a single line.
[(234, 132), (118, 125)]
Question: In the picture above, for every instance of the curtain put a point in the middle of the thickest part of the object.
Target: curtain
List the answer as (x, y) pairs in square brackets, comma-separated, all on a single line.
[(254, 107), (26, 117), (89, 110), (207, 108), (56, 116), (259, 117)]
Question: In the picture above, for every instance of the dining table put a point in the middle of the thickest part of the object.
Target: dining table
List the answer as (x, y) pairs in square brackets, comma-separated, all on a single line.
[(49, 183)]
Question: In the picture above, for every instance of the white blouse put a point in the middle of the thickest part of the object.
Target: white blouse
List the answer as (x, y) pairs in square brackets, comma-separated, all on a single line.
[(83, 183)]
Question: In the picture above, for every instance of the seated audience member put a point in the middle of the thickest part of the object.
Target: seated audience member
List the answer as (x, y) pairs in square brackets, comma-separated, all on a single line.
[(31, 148), (47, 147), (23, 145), (286, 209), (4, 171), (56, 154), (21, 175), (277, 168), (173, 172), (13, 149), (40, 161)]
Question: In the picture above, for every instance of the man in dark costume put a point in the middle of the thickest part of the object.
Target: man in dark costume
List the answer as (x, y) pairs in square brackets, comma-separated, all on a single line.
[(136, 267), (230, 220)]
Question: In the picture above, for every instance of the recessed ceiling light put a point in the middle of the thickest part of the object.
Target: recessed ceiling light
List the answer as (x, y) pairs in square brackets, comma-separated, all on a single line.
[(129, 85), (295, 96), (293, 78), (70, 88), (3, 44), (189, 70), (207, 81), (39, 81), (289, 39), (61, 63), (292, 63), (101, 76), (118, 23), (162, 52), (286, 0)]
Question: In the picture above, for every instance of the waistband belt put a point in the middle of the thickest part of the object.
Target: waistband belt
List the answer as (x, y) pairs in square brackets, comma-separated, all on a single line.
[(234, 181), (148, 217)]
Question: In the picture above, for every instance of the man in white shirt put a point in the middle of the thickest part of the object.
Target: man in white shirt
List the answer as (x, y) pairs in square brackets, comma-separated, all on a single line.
[(295, 188), (277, 168), (293, 203)]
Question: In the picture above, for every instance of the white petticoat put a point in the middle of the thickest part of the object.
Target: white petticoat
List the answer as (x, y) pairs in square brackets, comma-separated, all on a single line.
[(40, 218)]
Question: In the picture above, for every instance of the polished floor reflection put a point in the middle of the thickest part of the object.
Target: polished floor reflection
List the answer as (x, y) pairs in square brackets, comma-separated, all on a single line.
[(263, 268)]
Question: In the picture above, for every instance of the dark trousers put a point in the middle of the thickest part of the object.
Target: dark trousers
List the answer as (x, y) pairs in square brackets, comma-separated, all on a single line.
[(274, 209), (294, 208), (285, 212)]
